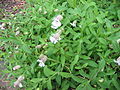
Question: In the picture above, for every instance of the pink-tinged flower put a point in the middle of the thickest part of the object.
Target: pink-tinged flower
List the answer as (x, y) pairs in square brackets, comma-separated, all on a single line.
[(16, 67), (42, 59), (55, 37), (56, 24), (20, 78), (58, 18), (18, 82), (117, 61), (73, 23)]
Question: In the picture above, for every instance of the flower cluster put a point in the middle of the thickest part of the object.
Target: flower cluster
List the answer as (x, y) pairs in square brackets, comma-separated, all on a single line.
[(42, 59), (18, 82), (56, 22)]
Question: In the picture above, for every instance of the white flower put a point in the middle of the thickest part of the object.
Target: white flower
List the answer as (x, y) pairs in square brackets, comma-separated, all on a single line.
[(42, 59), (41, 63), (55, 24), (45, 12), (16, 67), (2, 26), (101, 80), (17, 33), (117, 61), (118, 41), (20, 85), (73, 23)]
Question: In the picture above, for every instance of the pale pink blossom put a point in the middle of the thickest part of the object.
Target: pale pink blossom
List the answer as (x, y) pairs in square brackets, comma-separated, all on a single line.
[(56, 37), (18, 82), (58, 18), (56, 24), (16, 67)]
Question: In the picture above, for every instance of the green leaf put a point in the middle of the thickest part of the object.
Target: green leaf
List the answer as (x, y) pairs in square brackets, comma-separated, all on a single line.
[(84, 57), (58, 79), (62, 60), (101, 64), (36, 80), (26, 48), (78, 79), (81, 72), (64, 74), (49, 85), (116, 84), (108, 24), (72, 3), (48, 71), (91, 63), (65, 85), (100, 20), (118, 13), (103, 41), (74, 62)]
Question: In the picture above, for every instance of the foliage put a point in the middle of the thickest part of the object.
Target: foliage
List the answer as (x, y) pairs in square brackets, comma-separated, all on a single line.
[(81, 60)]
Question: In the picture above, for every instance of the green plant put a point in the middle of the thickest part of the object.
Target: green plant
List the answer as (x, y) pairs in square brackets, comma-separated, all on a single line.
[(81, 60)]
